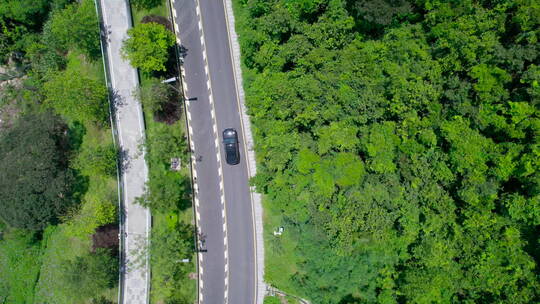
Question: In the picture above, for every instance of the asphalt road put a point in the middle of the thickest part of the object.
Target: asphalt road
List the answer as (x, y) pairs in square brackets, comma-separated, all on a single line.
[(224, 210)]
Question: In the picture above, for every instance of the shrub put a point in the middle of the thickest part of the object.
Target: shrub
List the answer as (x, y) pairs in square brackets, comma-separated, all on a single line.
[(77, 97), (97, 160), (91, 274), (145, 4)]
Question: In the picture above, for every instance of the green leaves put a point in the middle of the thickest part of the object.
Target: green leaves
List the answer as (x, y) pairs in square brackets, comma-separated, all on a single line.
[(167, 250), (91, 273), (145, 4), (77, 97), (380, 143), (147, 46), (77, 26), (338, 135)]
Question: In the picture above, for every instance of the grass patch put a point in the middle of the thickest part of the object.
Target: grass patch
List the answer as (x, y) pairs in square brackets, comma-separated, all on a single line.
[(161, 10), (92, 69), (280, 256), (20, 259)]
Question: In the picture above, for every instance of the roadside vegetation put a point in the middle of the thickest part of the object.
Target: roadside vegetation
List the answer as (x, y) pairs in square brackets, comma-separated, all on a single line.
[(58, 189), (150, 47), (397, 144)]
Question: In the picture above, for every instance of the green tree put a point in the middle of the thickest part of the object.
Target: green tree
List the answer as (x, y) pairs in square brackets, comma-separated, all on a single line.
[(35, 182), (91, 273), (77, 97), (19, 19), (76, 26), (147, 46)]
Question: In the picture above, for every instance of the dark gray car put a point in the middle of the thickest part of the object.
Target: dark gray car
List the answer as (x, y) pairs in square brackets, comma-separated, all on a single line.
[(230, 141)]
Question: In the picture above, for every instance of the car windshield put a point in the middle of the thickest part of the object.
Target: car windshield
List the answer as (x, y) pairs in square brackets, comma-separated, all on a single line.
[(229, 140)]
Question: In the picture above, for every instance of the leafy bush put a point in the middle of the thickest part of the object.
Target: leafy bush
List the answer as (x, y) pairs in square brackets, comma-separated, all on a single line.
[(154, 95), (145, 4), (101, 300), (147, 46), (97, 160), (165, 192), (77, 96), (76, 26), (91, 273), (169, 246)]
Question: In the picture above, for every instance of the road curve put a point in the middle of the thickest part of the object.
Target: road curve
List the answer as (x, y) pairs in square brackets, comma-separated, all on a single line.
[(223, 200)]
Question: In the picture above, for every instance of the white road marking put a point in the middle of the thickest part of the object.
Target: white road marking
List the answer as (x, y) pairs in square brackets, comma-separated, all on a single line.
[(220, 165)]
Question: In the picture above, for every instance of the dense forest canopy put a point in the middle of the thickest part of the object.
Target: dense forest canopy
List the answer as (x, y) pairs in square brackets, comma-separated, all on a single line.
[(399, 140)]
